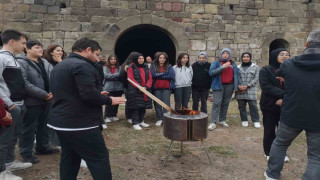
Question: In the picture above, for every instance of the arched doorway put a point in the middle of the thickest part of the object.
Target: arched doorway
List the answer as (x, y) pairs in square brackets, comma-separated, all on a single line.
[(146, 39), (278, 43)]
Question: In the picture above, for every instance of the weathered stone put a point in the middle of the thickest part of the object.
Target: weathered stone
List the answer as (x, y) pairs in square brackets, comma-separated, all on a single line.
[(240, 11), (9, 7), (69, 35), (114, 4), (29, 27), (101, 12), (212, 45), (247, 4), (14, 15), (105, 3), (195, 8), (213, 1), (53, 9), (132, 5), (141, 5), (198, 45), (92, 3), (69, 26), (78, 11), (84, 18), (16, 1), (86, 27), (158, 6), (166, 6), (51, 25), (114, 29), (38, 8), (35, 35), (284, 5), (232, 2), (127, 12), (151, 6), (263, 12), (177, 7), (270, 4), (217, 27), (201, 27), (211, 9), (76, 3), (230, 28), (23, 7), (28, 1), (38, 2), (197, 36), (52, 17), (47, 34), (258, 4), (49, 2), (252, 12)]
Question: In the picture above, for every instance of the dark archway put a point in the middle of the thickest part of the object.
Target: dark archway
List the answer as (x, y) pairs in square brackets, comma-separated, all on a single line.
[(146, 39), (278, 43)]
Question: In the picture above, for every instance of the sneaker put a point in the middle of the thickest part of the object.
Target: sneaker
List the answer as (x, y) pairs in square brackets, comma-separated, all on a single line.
[(47, 152), (224, 124), (267, 157), (17, 165), (7, 175), (115, 119), (30, 159), (211, 126), (245, 123), (158, 123), (107, 119), (137, 127), (83, 164), (267, 177), (144, 124), (130, 121), (256, 125), (104, 126), (286, 159)]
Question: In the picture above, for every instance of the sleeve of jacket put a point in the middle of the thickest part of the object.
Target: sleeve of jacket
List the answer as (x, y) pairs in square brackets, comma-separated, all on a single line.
[(31, 89), (149, 83), (267, 87), (255, 80), (6, 99), (157, 75), (86, 82), (110, 77), (215, 70)]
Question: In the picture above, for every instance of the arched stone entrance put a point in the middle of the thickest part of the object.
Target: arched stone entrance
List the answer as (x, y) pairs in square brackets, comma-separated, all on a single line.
[(278, 43), (146, 39)]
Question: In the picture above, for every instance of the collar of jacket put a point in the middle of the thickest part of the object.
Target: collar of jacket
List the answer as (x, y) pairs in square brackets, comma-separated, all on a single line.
[(75, 55)]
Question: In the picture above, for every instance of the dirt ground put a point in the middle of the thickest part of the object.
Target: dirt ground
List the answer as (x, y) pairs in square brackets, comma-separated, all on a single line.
[(236, 154)]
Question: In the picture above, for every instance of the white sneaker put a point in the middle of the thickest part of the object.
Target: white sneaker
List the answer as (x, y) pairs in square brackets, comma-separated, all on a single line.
[(137, 127), (245, 123), (83, 164), (224, 124), (107, 119), (17, 165), (267, 157), (144, 124), (158, 123), (286, 159), (115, 119), (211, 126), (130, 121), (7, 175), (256, 125), (104, 126), (267, 177)]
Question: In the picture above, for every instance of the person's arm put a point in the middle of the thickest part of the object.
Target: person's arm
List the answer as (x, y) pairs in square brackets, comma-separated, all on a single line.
[(267, 87), (86, 83), (6, 99), (110, 77), (158, 75), (149, 83), (255, 79), (215, 70), (130, 76)]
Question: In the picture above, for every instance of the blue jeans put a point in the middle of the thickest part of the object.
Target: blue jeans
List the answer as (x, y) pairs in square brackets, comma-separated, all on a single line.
[(285, 135), (163, 95)]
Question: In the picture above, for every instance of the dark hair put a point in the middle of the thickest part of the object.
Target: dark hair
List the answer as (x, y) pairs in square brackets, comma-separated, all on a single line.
[(47, 53), (157, 63), (7, 35), (83, 43), (250, 55), (32, 43), (181, 55), (108, 61)]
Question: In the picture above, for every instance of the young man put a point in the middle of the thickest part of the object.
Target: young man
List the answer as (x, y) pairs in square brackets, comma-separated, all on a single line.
[(300, 109), (12, 91), (77, 112), (36, 72)]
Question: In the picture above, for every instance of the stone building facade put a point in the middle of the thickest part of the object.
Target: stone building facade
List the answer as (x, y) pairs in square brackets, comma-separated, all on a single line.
[(174, 26)]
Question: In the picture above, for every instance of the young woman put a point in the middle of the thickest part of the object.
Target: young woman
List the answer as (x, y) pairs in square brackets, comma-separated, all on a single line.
[(201, 82), (249, 74), (225, 80), (183, 77), (163, 76), (113, 85), (54, 54), (137, 101), (271, 97)]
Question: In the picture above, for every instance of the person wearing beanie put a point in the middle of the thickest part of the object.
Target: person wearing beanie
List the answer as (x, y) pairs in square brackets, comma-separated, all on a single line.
[(249, 75), (138, 102), (272, 93), (225, 80), (201, 82)]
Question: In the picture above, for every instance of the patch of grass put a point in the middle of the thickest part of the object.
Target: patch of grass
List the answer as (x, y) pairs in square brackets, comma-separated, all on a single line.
[(300, 140), (224, 151)]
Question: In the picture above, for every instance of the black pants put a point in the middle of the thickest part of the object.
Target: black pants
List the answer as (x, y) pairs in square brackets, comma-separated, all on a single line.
[(112, 110), (127, 111), (270, 123), (198, 95), (87, 145), (137, 115)]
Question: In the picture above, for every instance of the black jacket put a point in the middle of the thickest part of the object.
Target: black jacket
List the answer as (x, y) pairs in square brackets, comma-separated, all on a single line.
[(201, 79), (76, 89), (300, 107)]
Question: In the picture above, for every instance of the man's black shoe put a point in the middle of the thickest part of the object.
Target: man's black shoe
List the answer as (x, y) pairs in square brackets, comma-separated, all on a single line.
[(47, 152), (31, 159)]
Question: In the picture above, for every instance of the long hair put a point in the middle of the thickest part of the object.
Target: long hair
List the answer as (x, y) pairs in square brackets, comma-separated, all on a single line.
[(181, 55), (47, 54), (108, 61), (157, 63)]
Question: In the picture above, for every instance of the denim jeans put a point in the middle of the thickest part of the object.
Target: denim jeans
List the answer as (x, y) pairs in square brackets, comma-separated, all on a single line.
[(285, 136), (242, 105), (198, 95), (163, 95)]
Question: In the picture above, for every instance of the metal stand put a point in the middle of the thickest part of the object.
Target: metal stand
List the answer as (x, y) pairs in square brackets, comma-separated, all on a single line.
[(168, 153)]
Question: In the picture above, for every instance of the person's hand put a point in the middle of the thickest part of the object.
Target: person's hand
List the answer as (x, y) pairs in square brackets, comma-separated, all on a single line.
[(226, 64), (49, 97), (8, 117), (279, 102), (56, 58), (244, 88), (11, 107), (105, 93), (118, 100), (280, 79)]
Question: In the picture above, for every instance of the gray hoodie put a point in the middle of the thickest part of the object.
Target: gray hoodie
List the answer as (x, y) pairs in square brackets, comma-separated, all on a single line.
[(183, 76)]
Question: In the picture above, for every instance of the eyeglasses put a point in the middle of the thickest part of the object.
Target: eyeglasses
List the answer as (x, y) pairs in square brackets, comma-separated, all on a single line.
[(284, 55)]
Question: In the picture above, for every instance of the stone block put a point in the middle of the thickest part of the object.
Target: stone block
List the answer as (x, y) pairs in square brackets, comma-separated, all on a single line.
[(277, 13), (252, 12), (113, 30), (128, 12), (146, 19), (9, 7), (212, 45), (217, 27), (69, 26), (28, 27), (70, 35), (47, 34), (84, 18), (166, 6), (177, 7), (105, 3), (28, 1), (50, 25), (132, 5), (101, 12), (247, 4), (92, 3), (230, 28), (285, 5), (35, 35), (270, 4), (201, 27), (258, 4), (248, 18), (76, 3), (197, 36), (38, 8), (78, 11), (195, 8), (33, 16), (38, 2), (263, 12), (114, 4), (151, 6), (211, 9), (14, 15), (69, 18), (158, 6), (182, 14), (23, 8), (16, 1), (212, 1), (52, 17), (57, 35), (232, 1), (141, 5), (53, 9), (198, 45), (49, 2), (240, 11), (86, 27), (65, 10)]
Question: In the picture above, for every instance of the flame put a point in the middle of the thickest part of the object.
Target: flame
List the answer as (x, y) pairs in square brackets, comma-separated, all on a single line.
[(190, 112)]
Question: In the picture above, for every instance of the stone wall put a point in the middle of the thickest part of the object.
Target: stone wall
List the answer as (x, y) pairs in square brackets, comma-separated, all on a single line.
[(193, 25)]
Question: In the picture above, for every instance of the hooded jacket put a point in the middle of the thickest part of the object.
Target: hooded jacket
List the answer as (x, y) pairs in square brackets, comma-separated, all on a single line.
[(201, 79), (300, 107), (272, 90)]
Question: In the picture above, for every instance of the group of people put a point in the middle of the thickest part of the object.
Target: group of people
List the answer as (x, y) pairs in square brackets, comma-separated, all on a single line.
[(58, 100)]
